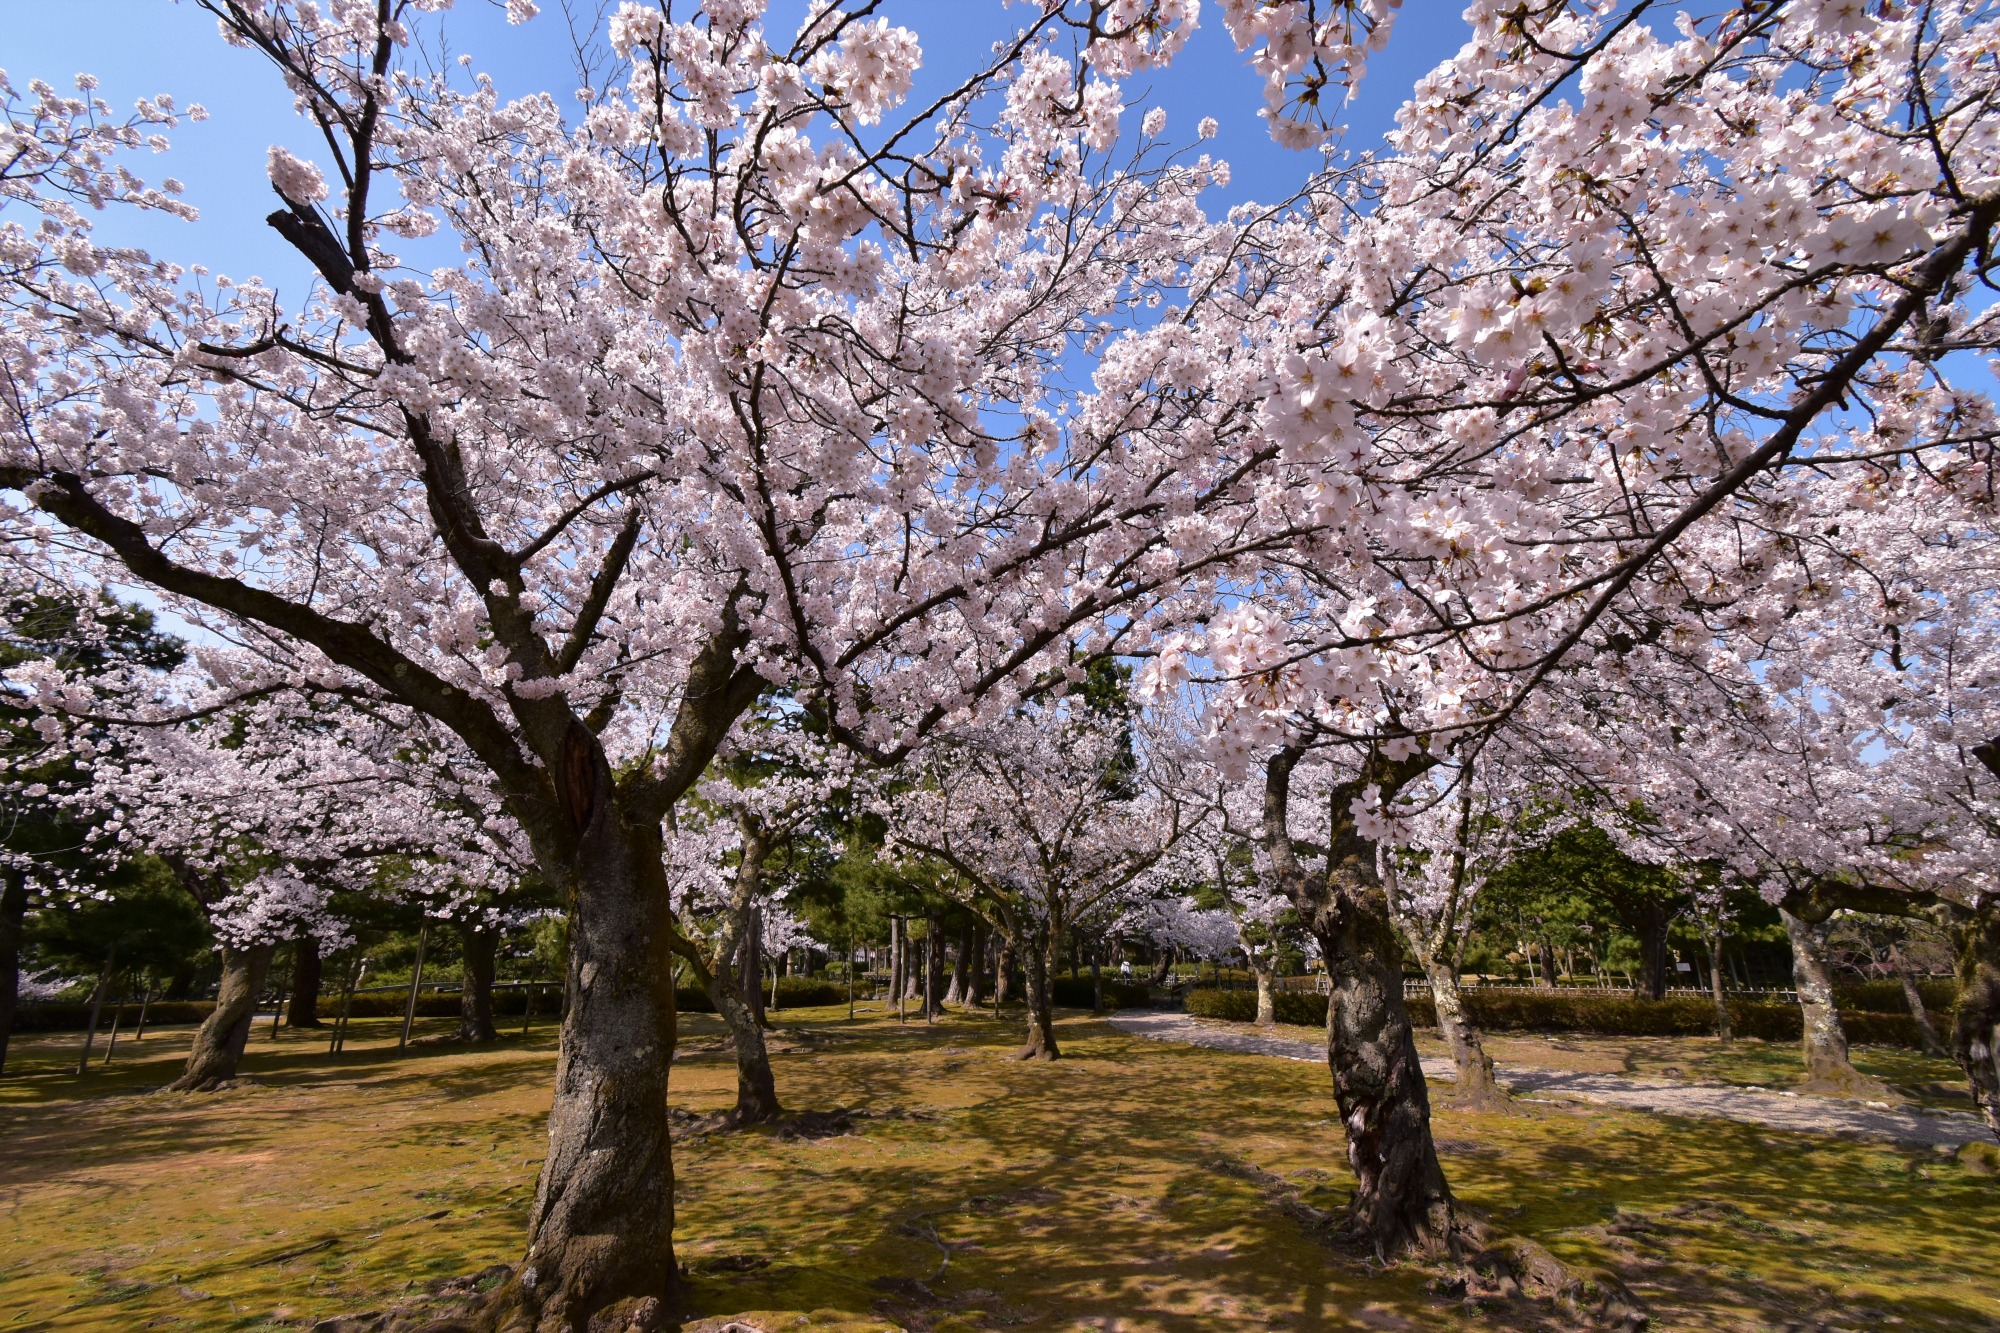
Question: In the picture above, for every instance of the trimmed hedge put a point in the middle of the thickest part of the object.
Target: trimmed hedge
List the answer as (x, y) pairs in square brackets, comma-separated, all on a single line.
[(1288, 1006), (1509, 1010), (1886, 997), (73, 1017), (1079, 993)]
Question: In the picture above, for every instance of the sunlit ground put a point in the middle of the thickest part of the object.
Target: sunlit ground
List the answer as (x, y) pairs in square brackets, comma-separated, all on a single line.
[(1919, 1079), (1113, 1190)]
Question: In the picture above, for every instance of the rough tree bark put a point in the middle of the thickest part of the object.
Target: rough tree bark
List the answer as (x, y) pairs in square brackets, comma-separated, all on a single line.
[(1823, 1044), (1653, 921), (756, 1090), (1003, 972), (303, 1011), (1401, 1203), (934, 966), (13, 911), (1041, 1042), (1976, 1039), (600, 1235), (218, 1044), (1267, 1013), (1723, 1032), (974, 966), (1476, 1084), (475, 995), (1926, 1033), (1545, 962)]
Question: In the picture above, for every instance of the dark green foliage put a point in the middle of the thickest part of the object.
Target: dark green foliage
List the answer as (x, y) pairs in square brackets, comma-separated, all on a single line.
[(1886, 997), (1304, 1008), (1078, 993), (1504, 1009), (150, 925)]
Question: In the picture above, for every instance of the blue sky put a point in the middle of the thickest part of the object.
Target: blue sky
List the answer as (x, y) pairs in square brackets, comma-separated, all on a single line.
[(145, 47)]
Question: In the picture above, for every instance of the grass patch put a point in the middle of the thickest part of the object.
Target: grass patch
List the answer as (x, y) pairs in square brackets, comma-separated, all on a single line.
[(1102, 1191)]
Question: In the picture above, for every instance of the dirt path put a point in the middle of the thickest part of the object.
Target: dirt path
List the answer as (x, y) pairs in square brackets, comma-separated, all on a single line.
[(1778, 1110)]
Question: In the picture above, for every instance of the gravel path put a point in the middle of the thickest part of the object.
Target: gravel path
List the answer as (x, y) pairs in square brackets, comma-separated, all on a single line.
[(1756, 1106)]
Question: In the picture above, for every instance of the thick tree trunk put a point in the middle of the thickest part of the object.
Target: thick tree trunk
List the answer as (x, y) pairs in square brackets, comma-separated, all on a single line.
[(1829, 1071), (218, 1044), (1926, 1033), (934, 967), (1653, 923), (13, 912), (1003, 973), (1976, 1039), (1476, 1085), (1041, 1043), (1401, 1203), (475, 995), (303, 1011), (974, 966), (1165, 967), (600, 1235), (954, 991), (1267, 1010), (1545, 958), (756, 1089), (1722, 1028)]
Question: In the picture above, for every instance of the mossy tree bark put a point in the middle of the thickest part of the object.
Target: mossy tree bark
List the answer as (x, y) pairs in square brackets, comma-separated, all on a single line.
[(475, 995), (1476, 1084), (303, 1010), (728, 990), (1034, 952), (219, 1042), (1823, 1044), (1401, 1203)]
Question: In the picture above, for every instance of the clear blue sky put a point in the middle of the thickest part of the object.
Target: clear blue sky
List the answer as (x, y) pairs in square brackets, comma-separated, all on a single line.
[(144, 47)]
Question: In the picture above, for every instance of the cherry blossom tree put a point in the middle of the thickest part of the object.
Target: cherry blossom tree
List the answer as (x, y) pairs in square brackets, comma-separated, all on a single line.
[(1051, 818)]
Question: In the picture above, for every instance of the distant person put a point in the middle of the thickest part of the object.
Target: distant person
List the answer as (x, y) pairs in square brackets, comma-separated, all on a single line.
[(1125, 969)]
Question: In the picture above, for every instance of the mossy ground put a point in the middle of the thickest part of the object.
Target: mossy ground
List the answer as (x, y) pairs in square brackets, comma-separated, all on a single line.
[(1105, 1191)]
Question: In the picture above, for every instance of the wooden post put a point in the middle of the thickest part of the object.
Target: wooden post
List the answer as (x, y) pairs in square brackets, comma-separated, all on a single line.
[(931, 933), (528, 1009), (902, 984), (96, 1007), (117, 1012), (356, 974), (416, 980), (850, 976)]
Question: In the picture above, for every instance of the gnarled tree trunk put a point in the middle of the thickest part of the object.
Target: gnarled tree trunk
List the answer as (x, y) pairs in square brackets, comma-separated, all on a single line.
[(600, 1234), (1401, 1203), (973, 965), (1654, 922), (1976, 1039), (1914, 998), (1041, 1043), (1003, 972), (933, 966), (218, 1044), (303, 1011), (1824, 1042), (13, 911), (730, 991), (1476, 1085), (475, 995), (1267, 1011)]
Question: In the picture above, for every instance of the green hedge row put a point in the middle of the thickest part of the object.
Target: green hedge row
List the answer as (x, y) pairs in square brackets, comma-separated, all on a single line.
[(1080, 993), (1886, 997), (1509, 1010)]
